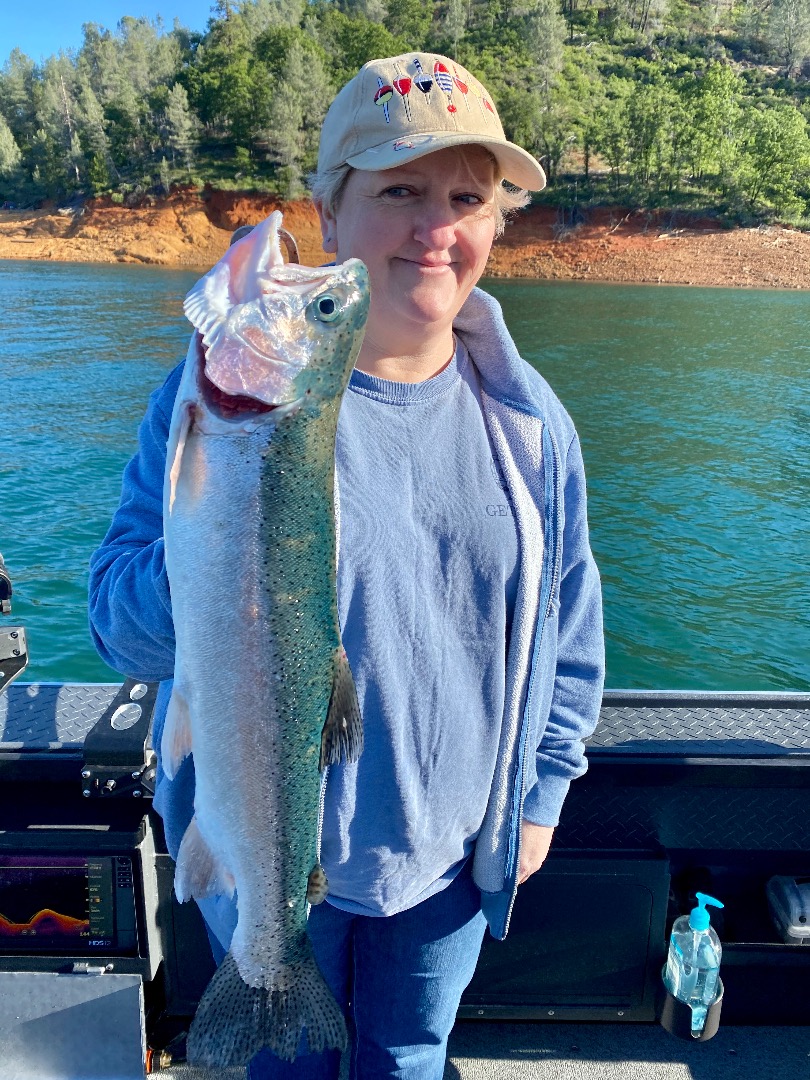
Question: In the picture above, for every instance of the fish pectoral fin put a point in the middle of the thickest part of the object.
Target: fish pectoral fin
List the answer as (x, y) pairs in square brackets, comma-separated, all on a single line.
[(175, 745), (342, 736), (199, 873), (182, 435), (317, 885)]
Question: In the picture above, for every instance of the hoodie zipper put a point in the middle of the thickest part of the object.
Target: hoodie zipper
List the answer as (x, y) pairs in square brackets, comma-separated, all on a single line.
[(321, 810), (546, 594)]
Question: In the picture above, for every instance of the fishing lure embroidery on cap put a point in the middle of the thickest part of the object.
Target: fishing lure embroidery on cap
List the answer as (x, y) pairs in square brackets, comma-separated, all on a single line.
[(402, 85), (444, 81), (422, 81), (465, 90), (383, 96), (476, 92)]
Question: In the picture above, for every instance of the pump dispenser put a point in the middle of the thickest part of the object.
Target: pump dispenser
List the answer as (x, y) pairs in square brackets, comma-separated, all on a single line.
[(693, 963)]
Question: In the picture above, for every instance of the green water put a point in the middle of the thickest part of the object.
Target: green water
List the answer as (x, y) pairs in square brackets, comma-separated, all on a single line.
[(81, 348), (692, 404), (693, 407)]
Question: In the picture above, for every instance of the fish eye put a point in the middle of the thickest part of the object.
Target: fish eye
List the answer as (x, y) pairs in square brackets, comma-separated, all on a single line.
[(326, 308)]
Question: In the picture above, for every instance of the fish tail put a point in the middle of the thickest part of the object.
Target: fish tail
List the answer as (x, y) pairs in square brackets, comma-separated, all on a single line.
[(234, 1021)]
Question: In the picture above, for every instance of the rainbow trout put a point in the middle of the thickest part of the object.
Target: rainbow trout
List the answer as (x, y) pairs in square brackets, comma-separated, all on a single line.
[(263, 696)]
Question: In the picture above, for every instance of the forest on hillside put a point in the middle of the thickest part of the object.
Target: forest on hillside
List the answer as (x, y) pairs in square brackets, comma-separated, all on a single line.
[(700, 104)]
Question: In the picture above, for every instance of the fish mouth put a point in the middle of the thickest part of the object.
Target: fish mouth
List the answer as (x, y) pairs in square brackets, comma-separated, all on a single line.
[(227, 406)]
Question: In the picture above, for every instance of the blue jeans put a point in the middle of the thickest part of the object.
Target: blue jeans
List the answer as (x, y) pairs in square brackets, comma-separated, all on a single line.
[(398, 978)]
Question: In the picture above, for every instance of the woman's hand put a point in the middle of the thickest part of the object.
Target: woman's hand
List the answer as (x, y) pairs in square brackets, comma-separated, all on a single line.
[(535, 840)]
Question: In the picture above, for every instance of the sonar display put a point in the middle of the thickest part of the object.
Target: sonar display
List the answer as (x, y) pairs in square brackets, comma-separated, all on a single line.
[(43, 902)]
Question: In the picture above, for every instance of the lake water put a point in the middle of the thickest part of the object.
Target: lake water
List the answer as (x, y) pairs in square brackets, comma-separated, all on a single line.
[(693, 406)]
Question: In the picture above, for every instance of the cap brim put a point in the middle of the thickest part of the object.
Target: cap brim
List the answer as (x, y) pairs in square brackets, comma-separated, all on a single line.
[(516, 165)]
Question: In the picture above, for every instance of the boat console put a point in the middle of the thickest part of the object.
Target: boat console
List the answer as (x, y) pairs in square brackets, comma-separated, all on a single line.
[(683, 792), (90, 931)]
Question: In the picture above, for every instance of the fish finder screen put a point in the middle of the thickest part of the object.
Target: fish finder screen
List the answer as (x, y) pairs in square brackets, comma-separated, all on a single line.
[(61, 904)]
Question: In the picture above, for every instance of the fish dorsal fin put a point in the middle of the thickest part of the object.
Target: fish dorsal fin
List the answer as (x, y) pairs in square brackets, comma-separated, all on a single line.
[(342, 736)]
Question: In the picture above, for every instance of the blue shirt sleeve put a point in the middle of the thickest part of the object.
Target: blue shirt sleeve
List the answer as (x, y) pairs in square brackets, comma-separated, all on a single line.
[(580, 661), (130, 606)]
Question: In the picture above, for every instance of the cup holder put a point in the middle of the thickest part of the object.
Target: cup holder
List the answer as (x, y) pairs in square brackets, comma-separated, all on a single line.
[(676, 1017)]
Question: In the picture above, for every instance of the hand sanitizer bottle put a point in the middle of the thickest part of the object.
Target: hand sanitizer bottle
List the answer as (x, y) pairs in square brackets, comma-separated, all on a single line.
[(693, 963)]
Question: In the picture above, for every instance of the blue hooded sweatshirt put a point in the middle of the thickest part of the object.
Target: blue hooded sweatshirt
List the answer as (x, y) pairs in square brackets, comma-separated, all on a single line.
[(555, 659)]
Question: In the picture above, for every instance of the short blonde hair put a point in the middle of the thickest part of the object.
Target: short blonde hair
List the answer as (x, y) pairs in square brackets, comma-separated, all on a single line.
[(327, 189)]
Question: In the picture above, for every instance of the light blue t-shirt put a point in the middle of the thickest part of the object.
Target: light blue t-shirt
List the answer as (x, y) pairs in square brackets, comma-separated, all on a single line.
[(427, 577)]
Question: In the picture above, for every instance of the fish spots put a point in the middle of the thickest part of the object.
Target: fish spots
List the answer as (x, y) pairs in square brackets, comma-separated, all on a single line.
[(274, 698)]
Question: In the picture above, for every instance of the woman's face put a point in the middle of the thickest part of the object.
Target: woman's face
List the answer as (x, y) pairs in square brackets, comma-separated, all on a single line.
[(424, 230)]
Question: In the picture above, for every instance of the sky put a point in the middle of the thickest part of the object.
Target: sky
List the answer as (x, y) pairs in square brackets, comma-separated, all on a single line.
[(42, 27)]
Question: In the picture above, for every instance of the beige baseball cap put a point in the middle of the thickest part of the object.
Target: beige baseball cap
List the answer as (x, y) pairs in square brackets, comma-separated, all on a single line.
[(404, 107)]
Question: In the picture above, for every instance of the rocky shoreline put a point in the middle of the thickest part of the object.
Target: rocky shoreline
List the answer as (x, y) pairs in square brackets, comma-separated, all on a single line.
[(191, 229)]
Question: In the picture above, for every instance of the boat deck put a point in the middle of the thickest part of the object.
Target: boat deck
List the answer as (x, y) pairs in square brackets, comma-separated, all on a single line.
[(532, 1051), (540, 1051)]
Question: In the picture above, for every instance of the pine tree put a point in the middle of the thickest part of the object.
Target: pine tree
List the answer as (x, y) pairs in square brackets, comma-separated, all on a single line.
[(301, 97), (17, 84), (99, 63), (789, 32), (147, 56), (10, 154), (455, 21), (98, 174), (57, 118), (181, 124), (260, 15), (165, 176), (90, 119), (124, 115), (545, 35)]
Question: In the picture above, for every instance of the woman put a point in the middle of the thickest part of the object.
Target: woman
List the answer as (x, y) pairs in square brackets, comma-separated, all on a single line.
[(468, 597)]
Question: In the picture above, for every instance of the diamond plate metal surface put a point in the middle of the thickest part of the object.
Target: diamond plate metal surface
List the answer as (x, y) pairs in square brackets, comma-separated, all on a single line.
[(51, 716), (706, 818), (722, 727), (751, 726)]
